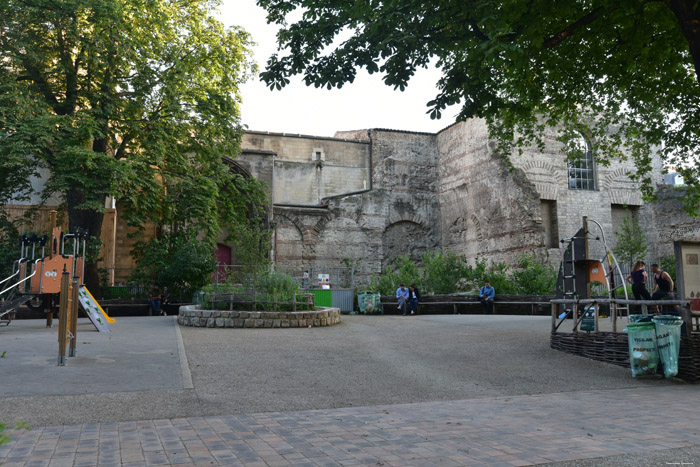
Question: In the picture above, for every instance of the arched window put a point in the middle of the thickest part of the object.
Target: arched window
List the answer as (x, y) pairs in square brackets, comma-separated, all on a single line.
[(582, 169)]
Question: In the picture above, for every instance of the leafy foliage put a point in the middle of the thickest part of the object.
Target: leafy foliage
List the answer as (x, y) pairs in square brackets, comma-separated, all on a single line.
[(625, 71), (136, 99), (631, 244), (268, 287), (9, 245), (446, 273), (178, 259)]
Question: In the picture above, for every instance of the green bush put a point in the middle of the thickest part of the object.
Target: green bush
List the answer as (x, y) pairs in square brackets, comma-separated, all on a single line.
[(534, 278), (446, 273), (269, 287), (441, 272), (9, 245), (178, 259)]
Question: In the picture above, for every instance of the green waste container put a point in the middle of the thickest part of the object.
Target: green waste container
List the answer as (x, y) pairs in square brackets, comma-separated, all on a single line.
[(668, 340), (322, 297), (369, 302), (644, 355)]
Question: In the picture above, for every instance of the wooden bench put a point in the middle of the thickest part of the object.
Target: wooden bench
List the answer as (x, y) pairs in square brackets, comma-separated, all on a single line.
[(533, 304)]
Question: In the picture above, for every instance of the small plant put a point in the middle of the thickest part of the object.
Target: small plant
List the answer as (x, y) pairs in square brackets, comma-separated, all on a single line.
[(4, 435)]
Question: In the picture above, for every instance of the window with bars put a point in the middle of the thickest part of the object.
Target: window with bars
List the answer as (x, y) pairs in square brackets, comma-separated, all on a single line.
[(582, 169)]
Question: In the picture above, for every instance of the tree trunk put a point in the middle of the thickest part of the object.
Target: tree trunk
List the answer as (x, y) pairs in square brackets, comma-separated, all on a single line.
[(90, 221), (689, 21)]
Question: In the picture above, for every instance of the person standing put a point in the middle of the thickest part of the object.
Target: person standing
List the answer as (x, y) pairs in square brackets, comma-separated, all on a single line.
[(402, 298), (663, 290), (486, 296), (639, 278), (413, 298)]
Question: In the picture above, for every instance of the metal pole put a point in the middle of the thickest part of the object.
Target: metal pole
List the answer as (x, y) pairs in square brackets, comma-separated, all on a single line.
[(82, 272), (63, 318), (73, 324)]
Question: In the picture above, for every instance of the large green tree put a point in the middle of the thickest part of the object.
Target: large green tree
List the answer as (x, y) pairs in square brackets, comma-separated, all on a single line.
[(136, 99), (623, 71)]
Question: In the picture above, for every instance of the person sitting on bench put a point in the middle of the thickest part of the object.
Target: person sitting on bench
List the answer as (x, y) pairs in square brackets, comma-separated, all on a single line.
[(486, 295), (402, 297)]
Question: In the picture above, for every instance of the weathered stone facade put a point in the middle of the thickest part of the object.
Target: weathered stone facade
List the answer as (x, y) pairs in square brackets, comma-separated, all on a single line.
[(377, 194)]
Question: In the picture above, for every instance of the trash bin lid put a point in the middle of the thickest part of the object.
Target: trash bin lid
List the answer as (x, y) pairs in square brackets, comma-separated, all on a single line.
[(639, 326), (667, 319)]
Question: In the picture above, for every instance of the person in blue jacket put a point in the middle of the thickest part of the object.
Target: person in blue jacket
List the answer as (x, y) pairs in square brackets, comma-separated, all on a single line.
[(486, 295), (402, 298)]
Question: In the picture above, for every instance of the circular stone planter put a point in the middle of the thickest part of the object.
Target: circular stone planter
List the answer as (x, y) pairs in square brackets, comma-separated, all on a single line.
[(193, 315)]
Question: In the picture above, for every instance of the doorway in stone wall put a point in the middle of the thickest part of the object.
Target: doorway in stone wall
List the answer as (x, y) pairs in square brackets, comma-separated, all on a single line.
[(223, 259)]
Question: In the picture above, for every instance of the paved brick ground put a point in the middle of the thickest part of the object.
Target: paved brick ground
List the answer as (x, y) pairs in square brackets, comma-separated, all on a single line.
[(502, 431)]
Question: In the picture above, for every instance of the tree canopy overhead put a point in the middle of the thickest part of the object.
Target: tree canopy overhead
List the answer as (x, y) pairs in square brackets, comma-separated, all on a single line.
[(136, 99), (623, 71)]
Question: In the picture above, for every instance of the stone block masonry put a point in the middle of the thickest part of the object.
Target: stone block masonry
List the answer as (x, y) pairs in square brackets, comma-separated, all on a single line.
[(193, 315)]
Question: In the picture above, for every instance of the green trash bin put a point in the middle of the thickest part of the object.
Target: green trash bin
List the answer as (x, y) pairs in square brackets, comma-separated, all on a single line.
[(644, 355), (369, 302), (668, 340)]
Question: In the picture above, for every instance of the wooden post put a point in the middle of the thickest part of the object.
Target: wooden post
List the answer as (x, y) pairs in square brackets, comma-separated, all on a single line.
[(613, 312), (595, 308), (63, 318), (275, 302), (554, 318), (575, 317), (47, 303), (73, 324)]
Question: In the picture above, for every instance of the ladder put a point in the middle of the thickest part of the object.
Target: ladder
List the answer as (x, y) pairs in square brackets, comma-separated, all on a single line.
[(568, 273)]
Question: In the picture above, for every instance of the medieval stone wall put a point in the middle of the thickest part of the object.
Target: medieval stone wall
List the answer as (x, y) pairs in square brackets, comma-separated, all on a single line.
[(486, 211), (664, 221), (407, 193), (398, 215)]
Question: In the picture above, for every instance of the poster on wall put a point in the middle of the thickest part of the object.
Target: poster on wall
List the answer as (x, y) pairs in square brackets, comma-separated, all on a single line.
[(324, 281), (689, 253)]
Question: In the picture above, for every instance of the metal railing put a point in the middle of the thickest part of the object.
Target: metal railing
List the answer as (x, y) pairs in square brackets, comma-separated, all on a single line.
[(681, 306)]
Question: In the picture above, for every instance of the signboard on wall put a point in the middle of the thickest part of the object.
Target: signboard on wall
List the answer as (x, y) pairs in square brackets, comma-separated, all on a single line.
[(688, 271), (324, 281)]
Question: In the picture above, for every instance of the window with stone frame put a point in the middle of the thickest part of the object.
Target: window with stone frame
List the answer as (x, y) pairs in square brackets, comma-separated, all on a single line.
[(582, 169)]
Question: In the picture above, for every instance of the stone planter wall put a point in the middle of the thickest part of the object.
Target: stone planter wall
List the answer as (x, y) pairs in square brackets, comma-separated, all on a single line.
[(192, 315)]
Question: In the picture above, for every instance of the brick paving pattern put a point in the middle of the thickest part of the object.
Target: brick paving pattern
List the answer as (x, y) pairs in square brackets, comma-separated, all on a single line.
[(502, 431)]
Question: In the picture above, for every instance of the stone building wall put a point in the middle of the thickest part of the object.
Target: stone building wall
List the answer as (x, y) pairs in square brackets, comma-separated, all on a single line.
[(394, 212), (487, 212), (309, 169), (450, 190), (615, 196), (664, 221)]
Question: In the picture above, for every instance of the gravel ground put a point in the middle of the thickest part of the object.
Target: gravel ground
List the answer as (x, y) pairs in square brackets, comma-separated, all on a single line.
[(366, 360)]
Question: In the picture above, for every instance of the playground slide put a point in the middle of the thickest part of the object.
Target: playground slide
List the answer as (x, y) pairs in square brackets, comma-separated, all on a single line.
[(94, 311)]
